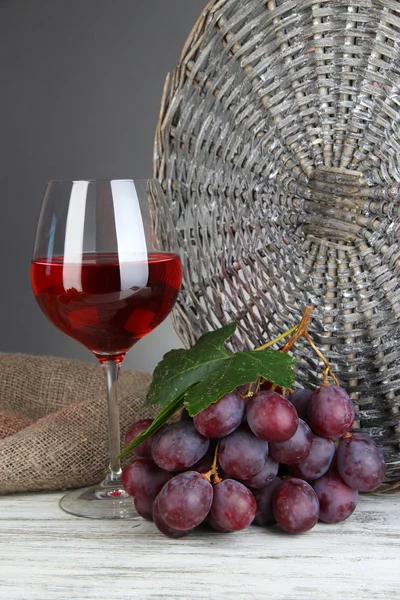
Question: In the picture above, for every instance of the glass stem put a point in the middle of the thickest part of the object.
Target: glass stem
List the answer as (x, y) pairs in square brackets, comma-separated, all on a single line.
[(111, 370)]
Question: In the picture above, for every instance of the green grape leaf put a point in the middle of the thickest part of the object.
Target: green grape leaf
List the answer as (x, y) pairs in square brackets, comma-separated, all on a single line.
[(180, 369), (202, 375), (237, 369)]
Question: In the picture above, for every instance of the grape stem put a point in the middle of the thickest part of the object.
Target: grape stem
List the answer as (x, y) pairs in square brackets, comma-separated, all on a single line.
[(327, 371), (278, 339), (257, 387), (212, 475), (249, 392), (302, 331)]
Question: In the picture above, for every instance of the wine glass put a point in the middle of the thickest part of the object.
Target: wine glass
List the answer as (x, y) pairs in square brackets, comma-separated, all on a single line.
[(106, 271)]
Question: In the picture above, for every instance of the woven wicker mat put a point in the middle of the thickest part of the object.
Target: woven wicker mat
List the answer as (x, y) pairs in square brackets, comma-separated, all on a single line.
[(53, 421), (278, 146)]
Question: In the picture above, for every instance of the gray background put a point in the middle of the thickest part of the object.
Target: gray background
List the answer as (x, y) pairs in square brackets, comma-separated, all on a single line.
[(80, 89)]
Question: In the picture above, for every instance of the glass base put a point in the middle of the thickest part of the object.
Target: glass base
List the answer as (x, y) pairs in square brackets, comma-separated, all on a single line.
[(108, 500)]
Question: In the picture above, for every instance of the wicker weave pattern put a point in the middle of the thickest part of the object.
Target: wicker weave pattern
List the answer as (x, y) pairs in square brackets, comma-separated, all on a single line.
[(278, 146)]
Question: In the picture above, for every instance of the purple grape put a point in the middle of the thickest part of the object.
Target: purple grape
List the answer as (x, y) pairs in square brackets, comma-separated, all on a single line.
[(337, 500), (360, 463), (271, 417), (163, 527), (184, 502), (233, 507), (143, 478), (264, 497), (144, 507), (317, 462), (144, 449), (293, 450), (241, 454), (214, 525), (296, 506), (222, 417), (178, 446), (300, 401), (267, 474), (330, 411)]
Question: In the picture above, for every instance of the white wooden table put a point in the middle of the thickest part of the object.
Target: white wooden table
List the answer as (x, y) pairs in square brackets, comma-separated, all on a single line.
[(46, 554)]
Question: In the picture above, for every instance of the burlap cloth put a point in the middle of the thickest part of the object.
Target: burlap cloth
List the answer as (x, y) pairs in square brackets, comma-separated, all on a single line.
[(53, 421)]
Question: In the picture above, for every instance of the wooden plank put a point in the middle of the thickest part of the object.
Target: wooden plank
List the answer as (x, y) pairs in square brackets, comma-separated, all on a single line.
[(46, 554)]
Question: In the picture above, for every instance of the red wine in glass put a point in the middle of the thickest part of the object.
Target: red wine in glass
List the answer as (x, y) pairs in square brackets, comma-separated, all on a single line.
[(106, 271), (103, 304)]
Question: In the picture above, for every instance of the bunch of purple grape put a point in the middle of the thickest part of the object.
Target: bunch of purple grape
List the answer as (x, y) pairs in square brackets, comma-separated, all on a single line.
[(264, 459)]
